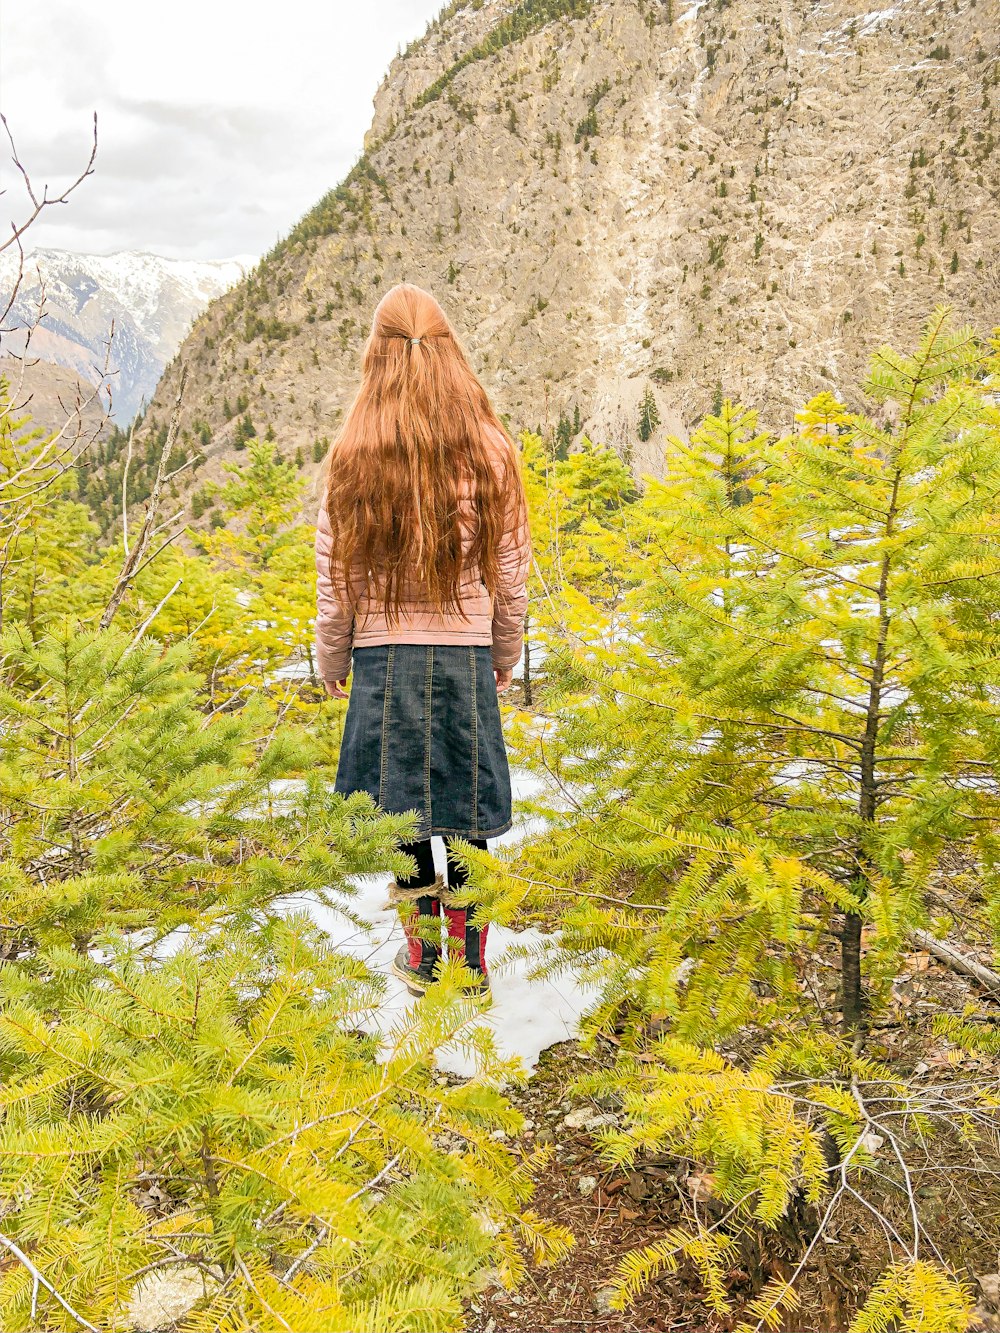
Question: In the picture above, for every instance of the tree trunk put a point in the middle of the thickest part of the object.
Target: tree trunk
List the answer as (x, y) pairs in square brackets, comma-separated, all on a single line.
[(853, 999), (850, 973)]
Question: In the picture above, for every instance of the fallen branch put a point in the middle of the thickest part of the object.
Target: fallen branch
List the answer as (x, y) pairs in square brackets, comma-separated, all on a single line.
[(958, 962), (39, 1280)]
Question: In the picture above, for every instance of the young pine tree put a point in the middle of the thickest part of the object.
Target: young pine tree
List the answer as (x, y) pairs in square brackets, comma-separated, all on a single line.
[(185, 1088), (649, 415), (46, 534), (789, 745), (575, 506), (268, 558)]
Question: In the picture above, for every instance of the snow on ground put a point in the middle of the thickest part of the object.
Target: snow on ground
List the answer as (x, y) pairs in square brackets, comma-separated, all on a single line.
[(526, 1016)]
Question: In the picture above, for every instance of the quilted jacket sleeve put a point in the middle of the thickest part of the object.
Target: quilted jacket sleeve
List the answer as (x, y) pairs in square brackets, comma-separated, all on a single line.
[(511, 602), (334, 621)]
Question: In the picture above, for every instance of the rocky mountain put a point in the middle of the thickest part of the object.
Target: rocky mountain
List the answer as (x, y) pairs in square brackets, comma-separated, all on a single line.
[(152, 301), (615, 196), (51, 398)]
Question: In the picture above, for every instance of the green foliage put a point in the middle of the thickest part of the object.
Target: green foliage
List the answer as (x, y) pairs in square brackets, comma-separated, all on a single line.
[(186, 1086), (124, 804), (916, 1298), (245, 431), (344, 207), (777, 737), (120, 476), (46, 534), (588, 127), (576, 506), (837, 548), (270, 330), (563, 437), (222, 1110)]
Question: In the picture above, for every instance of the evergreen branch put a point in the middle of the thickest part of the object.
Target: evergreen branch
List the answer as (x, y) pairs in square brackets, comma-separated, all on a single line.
[(380, 1175), (963, 578), (777, 465), (755, 536), (745, 722), (304, 1257), (587, 893)]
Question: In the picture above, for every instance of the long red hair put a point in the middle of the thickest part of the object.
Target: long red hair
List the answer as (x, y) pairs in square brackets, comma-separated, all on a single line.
[(420, 426)]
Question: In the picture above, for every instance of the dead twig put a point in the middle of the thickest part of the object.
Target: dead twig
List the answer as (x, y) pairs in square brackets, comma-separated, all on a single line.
[(135, 556), (957, 961), (40, 1280), (39, 204)]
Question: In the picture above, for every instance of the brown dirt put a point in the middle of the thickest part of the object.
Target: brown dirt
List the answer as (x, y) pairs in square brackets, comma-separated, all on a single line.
[(631, 1208)]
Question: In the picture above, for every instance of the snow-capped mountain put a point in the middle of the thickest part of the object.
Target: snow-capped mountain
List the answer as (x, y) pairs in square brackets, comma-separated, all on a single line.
[(152, 300)]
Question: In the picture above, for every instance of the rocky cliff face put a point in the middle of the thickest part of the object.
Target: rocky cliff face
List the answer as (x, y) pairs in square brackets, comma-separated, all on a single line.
[(629, 194), (52, 398)]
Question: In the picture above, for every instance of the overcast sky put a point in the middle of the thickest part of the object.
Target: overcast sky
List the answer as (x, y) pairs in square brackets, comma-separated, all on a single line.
[(218, 124)]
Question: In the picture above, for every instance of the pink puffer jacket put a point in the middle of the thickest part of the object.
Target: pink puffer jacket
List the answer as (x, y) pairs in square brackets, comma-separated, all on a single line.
[(500, 623)]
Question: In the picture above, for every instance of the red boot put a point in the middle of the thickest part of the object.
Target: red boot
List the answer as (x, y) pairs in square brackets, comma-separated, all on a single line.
[(468, 942), (420, 914)]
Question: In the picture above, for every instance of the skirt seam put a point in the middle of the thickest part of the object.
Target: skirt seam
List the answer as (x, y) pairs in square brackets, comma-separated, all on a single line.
[(384, 757), (474, 713), (428, 712)]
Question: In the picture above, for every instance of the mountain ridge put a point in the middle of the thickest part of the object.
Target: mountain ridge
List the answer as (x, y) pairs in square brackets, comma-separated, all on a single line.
[(633, 197), (152, 299)]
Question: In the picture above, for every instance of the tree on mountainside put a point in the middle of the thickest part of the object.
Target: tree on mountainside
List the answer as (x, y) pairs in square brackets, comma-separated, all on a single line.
[(649, 415)]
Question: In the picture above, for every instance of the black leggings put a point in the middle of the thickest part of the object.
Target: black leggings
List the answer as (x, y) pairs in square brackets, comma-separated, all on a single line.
[(424, 857)]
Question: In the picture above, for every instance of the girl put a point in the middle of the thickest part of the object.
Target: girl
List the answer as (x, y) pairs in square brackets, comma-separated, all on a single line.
[(422, 555)]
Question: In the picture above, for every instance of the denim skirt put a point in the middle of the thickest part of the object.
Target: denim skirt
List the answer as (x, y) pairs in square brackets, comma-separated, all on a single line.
[(423, 733)]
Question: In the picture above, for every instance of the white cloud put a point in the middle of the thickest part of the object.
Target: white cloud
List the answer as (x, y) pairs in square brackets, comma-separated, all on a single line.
[(218, 125)]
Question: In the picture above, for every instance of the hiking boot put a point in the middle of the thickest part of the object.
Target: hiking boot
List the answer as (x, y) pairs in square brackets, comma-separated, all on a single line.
[(468, 943), (420, 915)]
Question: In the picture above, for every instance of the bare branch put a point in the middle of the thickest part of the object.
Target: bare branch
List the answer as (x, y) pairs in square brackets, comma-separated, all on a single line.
[(128, 464), (40, 1280), (135, 558), (38, 205)]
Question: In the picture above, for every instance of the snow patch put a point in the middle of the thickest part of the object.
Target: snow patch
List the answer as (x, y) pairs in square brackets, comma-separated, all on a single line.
[(526, 1015)]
